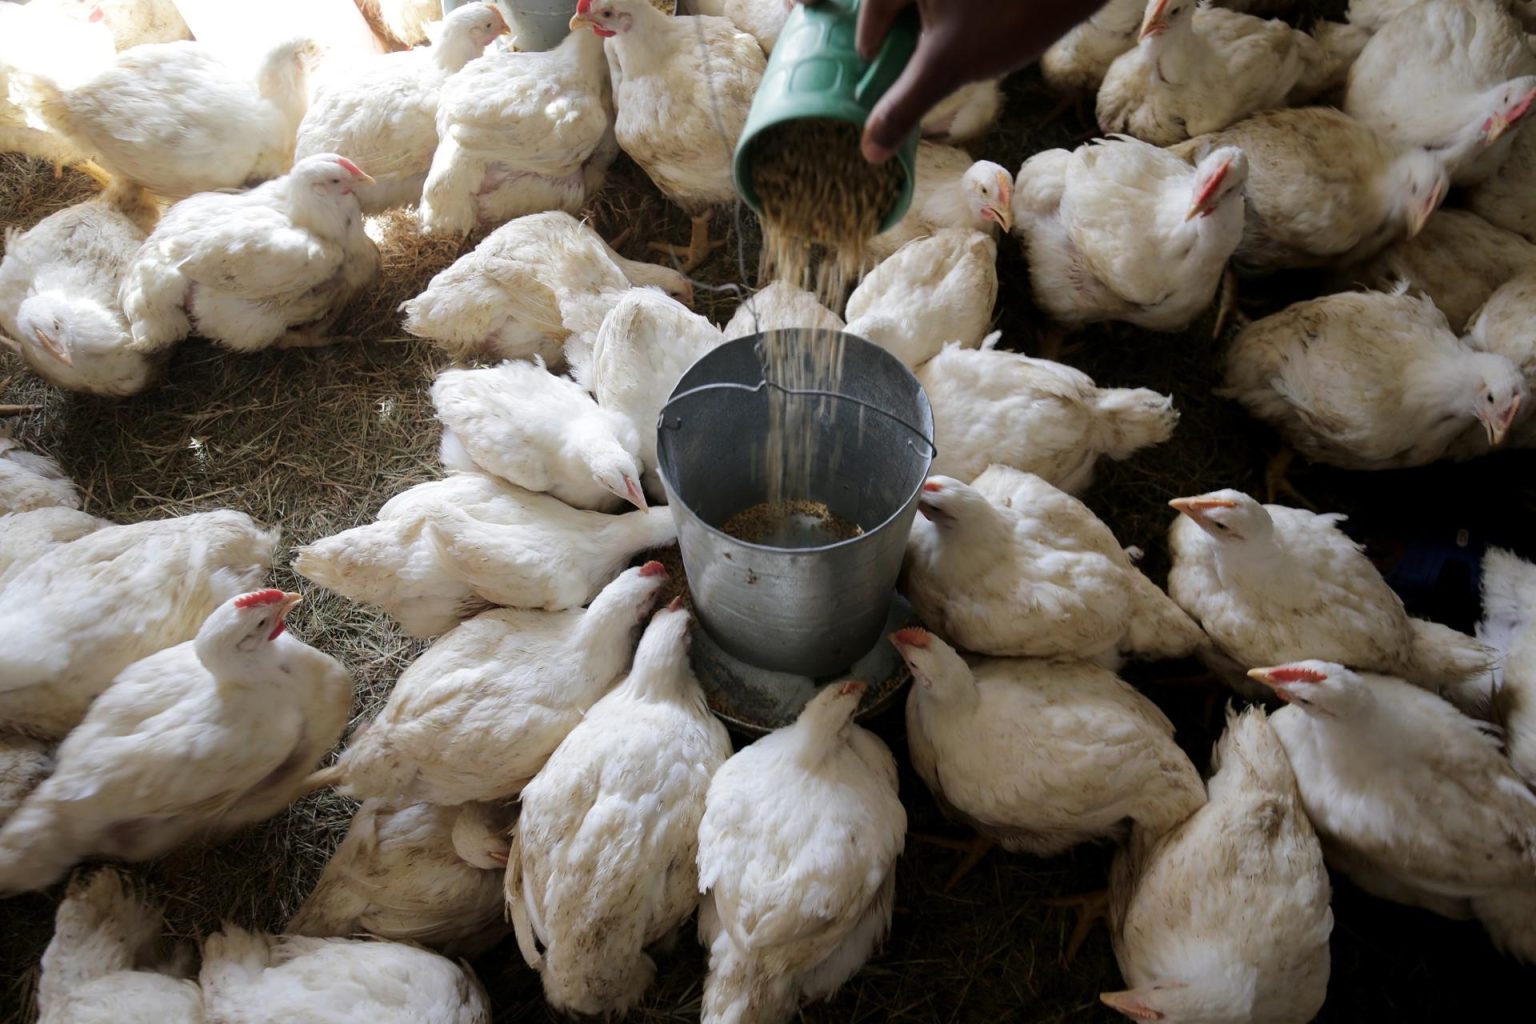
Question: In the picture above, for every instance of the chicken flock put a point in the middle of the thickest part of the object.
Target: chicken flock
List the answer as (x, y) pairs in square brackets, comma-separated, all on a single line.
[(548, 769)]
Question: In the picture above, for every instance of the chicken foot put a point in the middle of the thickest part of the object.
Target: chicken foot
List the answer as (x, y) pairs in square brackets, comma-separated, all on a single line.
[(974, 848), (698, 248), (1227, 308), (1277, 479), (1091, 907)]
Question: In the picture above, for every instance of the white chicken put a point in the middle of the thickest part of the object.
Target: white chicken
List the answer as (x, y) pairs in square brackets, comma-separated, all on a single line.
[(1267, 581), (1122, 230), (1197, 69), (1458, 260), (1041, 756), (631, 776), (58, 298), (529, 287), (1077, 62), (94, 606), (1323, 188), (519, 133), (964, 114), (382, 112), (1013, 566), (1370, 380), (797, 862), (930, 292), (404, 21), (1413, 800), (1508, 197), (1225, 919), (131, 22), (951, 191), (275, 265), (760, 19), (1502, 327), (207, 736), (24, 763), (681, 87), (646, 344), (1509, 627), (421, 873), (390, 563), (538, 431), (249, 978), (1474, 79), (1041, 417), (778, 305), (173, 118), (30, 480), (25, 536), (40, 39), (93, 969), (478, 714)]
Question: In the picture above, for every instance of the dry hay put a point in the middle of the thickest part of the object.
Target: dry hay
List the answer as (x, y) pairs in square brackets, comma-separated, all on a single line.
[(408, 260), (317, 439)]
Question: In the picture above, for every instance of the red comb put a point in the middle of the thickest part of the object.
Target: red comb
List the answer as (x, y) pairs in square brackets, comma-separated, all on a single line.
[(1296, 674), (96, 15), (583, 6), (912, 637), (653, 569), (269, 596), (932, 486), (349, 166)]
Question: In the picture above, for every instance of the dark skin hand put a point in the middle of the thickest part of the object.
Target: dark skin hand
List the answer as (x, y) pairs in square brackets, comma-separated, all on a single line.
[(962, 41)]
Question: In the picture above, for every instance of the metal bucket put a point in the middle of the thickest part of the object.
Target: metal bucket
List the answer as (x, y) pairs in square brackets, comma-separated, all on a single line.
[(535, 24), (811, 611)]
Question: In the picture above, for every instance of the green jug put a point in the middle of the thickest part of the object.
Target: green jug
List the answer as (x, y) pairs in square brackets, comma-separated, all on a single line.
[(815, 71)]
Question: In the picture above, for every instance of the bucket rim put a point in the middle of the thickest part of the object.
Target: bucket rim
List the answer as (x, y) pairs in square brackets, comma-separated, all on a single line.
[(925, 407)]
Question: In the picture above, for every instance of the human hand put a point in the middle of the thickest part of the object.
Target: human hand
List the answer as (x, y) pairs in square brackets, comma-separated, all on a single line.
[(962, 41)]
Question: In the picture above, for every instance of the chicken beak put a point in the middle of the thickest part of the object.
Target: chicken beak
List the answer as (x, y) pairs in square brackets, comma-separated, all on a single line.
[(1422, 214), (1282, 678), (1497, 125), (634, 494), (1153, 24), (1498, 427), (1196, 508), (52, 346), (499, 856), (287, 604), (1002, 210), (852, 688), (502, 28), (1129, 1004), (676, 604), (1204, 199)]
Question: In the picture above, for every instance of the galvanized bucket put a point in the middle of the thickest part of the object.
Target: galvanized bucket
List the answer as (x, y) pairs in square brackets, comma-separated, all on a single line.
[(535, 24), (815, 610)]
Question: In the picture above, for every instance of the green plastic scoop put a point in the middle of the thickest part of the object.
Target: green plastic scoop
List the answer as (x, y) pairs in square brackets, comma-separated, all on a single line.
[(816, 72)]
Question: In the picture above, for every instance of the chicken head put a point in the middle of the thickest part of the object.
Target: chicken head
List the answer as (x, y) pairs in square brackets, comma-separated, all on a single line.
[(988, 191), (1220, 176), (1500, 393), (1319, 688), (60, 327), (1418, 182), (481, 836), (946, 502), (830, 713), (329, 175), (935, 665), (1229, 516), (481, 23), (243, 625), (605, 17), (1162, 15)]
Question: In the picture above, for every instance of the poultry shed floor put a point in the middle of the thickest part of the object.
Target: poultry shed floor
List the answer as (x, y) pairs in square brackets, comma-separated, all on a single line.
[(316, 440)]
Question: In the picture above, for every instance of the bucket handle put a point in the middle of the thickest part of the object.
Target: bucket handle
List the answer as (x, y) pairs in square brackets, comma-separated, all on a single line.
[(661, 419)]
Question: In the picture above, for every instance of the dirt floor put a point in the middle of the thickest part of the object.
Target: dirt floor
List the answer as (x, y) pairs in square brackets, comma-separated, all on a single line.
[(316, 440)]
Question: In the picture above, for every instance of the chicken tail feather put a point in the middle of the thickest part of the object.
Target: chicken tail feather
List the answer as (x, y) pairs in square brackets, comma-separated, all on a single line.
[(101, 926), (1448, 660), (36, 847)]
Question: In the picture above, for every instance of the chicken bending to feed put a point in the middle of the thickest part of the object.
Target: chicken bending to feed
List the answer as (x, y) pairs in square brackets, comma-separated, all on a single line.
[(58, 297), (1458, 260), (94, 606), (1041, 755), (174, 118), (1078, 61), (951, 190), (631, 776), (1123, 230), (681, 88), (519, 133), (797, 862), (424, 874), (1225, 919), (26, 536), (991, 406), (272, 266), (646, 343), (1413, 800), (249, 978), (538, 431), (1473, 79), (1197, 69), (382, 112), (24, 763), (1010, 565), (1508, 197), (1509, 626), (777, 306), (533, 284), (1323, 188), (478, 714), (930, 292), (30, 480), (206, 736), (1502, 327), (94, 969), (1267, 581), (130, 22), (1371, 380)]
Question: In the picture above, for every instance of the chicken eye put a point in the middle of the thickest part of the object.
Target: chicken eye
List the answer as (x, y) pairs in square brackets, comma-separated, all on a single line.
[(607, 14), (1220, 526), (1490, 399)]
